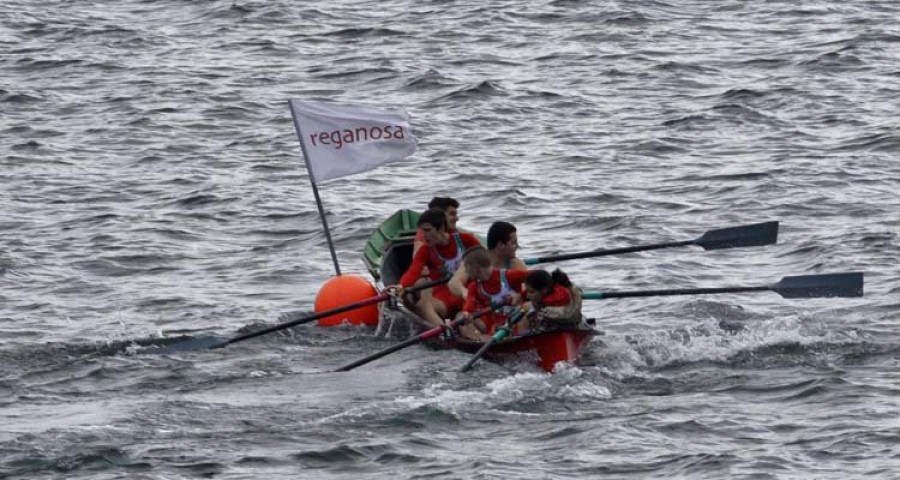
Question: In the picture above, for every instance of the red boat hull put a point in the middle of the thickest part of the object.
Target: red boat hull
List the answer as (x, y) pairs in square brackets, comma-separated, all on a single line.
[(545, 348)]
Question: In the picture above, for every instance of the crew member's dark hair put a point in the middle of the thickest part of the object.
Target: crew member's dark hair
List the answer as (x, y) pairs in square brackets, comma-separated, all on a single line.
[(541, 280), (443, 203), (434, 217), (499, 233)]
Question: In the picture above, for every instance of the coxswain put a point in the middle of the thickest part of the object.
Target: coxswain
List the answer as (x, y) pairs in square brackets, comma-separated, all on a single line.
[(440, 257), (556, 302)]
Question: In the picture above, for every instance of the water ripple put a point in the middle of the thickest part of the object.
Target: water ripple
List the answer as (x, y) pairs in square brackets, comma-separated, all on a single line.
[(154, 193)]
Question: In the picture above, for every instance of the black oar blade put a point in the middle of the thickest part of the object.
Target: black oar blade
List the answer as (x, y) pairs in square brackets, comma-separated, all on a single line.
[(821, 286), (187, 346), (755, 235)]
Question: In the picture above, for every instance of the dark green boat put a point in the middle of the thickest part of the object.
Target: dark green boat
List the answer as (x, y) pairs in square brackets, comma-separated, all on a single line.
[(388, 252)]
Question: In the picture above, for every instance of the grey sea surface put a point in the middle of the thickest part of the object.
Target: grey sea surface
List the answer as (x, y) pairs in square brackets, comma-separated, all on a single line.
[(153, 191)]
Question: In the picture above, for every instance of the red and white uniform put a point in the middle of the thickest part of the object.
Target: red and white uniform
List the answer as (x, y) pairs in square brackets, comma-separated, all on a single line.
[(499, 290), (441, 261)]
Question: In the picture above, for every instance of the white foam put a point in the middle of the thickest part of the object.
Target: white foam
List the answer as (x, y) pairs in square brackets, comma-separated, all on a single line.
[(704, 341)]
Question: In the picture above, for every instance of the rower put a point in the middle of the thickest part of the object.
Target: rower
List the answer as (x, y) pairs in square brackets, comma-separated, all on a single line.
[(441, 256), (489, 286), (450, 207), (555, 300), (502, 241)]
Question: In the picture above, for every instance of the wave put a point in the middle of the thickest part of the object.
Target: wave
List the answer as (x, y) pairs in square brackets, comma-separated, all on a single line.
[(880, 143), (485, 88), (365, 32), (742, 342), (20, 99), (428, 80)]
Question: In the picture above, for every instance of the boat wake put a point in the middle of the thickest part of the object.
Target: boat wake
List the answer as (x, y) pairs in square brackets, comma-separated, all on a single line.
[(781, 342), (454, 399)]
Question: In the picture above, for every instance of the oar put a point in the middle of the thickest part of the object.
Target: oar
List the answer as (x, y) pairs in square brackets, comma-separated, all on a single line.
[(501, 333), (802, 286), (212, 342), (412, 341), (754, 235)]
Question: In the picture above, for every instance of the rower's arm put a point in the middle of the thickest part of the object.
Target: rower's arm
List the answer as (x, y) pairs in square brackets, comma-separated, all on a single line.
[(414, 271), (471, 303), (458, 282)]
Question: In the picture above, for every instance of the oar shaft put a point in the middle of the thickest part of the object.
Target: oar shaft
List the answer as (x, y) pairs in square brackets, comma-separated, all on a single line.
[(433, 332), (683, 291), (311, 318), (754, 235), (334, 311), (604, 252), (828, 285), (385, 352), (478, 354), (499, 335)]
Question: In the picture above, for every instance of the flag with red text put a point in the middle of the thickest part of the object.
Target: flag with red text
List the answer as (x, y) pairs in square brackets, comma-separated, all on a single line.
[(343, 139)]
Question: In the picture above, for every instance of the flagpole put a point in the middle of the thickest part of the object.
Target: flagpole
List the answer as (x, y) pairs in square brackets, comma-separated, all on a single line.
[(315, 189), (337, 266)]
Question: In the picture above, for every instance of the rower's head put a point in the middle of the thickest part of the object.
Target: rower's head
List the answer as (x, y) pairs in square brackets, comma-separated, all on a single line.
[(478, 263), (502, 239), (540, 283), (433, 224), (450, 206)]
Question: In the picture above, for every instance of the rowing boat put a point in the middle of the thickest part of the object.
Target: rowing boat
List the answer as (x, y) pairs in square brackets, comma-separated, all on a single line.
[(388, 254)]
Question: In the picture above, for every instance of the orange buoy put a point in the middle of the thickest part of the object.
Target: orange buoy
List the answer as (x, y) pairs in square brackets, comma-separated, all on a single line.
[(343, 290)]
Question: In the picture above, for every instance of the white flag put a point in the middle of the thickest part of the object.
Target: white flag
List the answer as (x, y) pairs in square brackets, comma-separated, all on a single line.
[(343, 139)]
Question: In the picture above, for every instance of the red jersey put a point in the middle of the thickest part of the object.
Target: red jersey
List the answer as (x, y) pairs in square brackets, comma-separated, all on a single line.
[(420, 235), (559, 297), (480, 293), (441, 261)]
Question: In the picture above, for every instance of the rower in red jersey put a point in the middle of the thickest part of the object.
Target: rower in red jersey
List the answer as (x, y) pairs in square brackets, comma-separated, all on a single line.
[(489, 286), (450, 206), (440, 257), (502, 243)]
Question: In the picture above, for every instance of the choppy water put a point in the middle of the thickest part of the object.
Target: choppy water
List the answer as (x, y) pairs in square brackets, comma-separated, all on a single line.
[(153, 189)]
